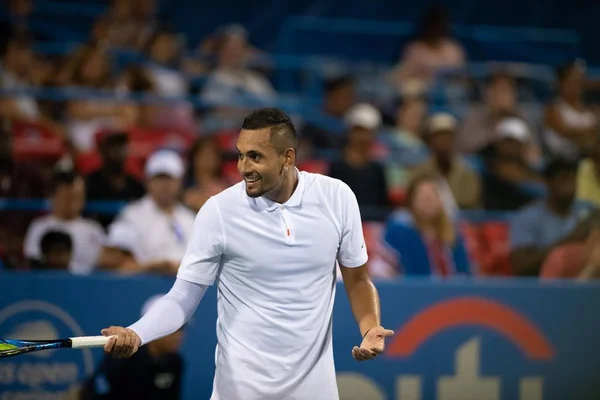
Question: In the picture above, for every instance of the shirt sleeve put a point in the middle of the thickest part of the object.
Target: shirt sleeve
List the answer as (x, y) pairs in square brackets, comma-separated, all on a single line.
[(352, 252), (202, 257), (32, 244)]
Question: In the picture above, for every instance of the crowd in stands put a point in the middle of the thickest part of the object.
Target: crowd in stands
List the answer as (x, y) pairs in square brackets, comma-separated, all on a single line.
[(415, 169)]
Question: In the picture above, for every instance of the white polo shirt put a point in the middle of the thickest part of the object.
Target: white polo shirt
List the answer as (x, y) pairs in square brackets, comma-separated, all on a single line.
[(276, 271), (160, 236), (87, 236)]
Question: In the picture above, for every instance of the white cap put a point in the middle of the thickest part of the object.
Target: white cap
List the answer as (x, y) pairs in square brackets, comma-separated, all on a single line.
[(150, 301), (513, 128), (165, 162), (441, 122), (363, 115), (121, 235)]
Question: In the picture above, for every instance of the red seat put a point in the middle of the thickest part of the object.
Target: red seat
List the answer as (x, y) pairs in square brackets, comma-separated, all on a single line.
[(314, 166), (32, 140), (142, 141), (230, 172), (227, 141), (488, 245)]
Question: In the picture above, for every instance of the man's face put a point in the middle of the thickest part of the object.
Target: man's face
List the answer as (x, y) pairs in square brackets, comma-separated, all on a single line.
[(259, 162), (68, 200), (501, 95), (114, 155), (58, 258), (164, 190), (340, 99), (442, 142), (359, 137)]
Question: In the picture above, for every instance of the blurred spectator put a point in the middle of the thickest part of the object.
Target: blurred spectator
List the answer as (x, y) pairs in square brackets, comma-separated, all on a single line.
[(154, 372), (464, 183), (549, 223), (579, 260), (205, 178), (508, 181), (91, 68), (339, 96), (499, 101), (118, 27), (164, 50), (231, 78), (16, 181), (424, 236), (364, 176), (569, 124), (402, 147), (15, 74), (66, 203), (17, 24), (120, 252), (145, 13), (111, 181), (404, 141), (431, 50), (162, 224), (57, 250), (588, 176)]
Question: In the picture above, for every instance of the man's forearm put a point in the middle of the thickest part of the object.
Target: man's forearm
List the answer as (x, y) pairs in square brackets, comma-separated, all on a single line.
[(170, 312), (364, 301)]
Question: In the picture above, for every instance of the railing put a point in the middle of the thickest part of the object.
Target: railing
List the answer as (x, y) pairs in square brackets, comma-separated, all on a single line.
[(113, 207)]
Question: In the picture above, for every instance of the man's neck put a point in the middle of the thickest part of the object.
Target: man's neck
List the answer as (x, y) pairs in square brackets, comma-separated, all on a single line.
[(63, 218), (203, 178), (558, 207), (288, 185), (444, 164), (356, 157), (167, 209)]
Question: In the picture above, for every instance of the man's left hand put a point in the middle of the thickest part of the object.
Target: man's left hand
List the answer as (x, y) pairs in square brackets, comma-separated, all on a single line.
[(372, 345)]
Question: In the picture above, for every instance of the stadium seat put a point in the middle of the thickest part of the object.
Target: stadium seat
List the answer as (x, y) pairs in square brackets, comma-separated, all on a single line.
[(488, 246), (35, 141)]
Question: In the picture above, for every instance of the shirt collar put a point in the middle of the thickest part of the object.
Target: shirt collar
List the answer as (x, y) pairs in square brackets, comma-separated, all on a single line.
[(294, 201)]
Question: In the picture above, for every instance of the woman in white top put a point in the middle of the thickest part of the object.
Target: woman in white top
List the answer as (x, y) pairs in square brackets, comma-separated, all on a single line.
[(90, 68), (569, 124), (432, 49)]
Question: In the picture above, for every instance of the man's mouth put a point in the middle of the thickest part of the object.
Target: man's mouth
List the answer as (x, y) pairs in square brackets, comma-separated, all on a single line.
[(251, 180)]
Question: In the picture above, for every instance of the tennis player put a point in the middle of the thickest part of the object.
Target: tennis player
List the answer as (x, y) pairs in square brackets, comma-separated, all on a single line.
[(271, 242)]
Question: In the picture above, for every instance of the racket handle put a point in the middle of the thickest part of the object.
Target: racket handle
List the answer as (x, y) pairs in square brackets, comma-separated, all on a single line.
[(83, 342)]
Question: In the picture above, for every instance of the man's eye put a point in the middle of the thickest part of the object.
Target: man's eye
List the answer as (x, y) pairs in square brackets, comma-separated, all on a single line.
[(256, 157)]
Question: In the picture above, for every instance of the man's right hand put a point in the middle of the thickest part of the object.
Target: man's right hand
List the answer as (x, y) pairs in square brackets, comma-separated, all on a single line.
[(124, 342)]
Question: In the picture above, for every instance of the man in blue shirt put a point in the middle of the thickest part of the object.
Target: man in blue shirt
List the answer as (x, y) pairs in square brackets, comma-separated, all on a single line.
[(555, 220)]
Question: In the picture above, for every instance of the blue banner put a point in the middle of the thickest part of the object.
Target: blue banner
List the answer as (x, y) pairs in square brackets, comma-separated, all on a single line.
[(467, 340)]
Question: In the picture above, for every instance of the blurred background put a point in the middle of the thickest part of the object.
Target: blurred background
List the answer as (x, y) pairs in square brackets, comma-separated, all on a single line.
[(469, 132)]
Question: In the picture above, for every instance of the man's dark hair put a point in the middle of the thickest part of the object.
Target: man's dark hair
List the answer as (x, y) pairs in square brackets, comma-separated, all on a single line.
[(283, 133), (53, 240), (563, 70), (333, 84), (498, 76), (63, 178), (558, 166)]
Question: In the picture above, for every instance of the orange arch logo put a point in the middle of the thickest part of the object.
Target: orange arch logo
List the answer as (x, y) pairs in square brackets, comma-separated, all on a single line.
[(471, 311)]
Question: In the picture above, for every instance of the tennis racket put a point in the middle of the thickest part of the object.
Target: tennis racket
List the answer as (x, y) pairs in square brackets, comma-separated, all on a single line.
[(10, 347)]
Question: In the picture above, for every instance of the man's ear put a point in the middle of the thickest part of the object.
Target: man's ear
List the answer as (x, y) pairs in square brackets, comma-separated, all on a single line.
[(289, 157)]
